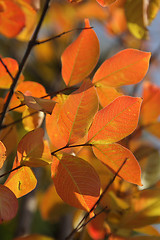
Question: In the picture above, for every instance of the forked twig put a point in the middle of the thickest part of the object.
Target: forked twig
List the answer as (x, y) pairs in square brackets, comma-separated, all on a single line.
[(97, 202)]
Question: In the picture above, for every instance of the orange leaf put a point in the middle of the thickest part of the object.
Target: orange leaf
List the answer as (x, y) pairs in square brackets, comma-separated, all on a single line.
[(32, 150), (2, 154), (5, 79), (28, 88), (105, 3), (150, 108), (106, 95), (80, 58), (115, 121), (76, 181), (39, 104), (8, 204), (113, 155), (21, 182), (56, 137), (12, 18), (126, 67), (77, 112)]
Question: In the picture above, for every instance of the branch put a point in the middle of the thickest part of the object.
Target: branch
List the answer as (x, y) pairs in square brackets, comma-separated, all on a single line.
[(7, 70), (71, 146), (38, 42), (31, 44), (97, 202)]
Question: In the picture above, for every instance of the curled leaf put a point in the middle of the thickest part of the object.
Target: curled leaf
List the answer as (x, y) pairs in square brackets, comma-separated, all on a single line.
[(39, 104)]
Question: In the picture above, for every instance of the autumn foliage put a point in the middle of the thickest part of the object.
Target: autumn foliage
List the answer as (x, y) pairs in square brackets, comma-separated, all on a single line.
[(79, 145)]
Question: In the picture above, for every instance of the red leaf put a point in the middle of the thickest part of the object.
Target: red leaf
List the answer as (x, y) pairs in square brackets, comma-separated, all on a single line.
[(113, 155), (85, 49), (115, 121), (8, 204), (76, 181), (126, 67)]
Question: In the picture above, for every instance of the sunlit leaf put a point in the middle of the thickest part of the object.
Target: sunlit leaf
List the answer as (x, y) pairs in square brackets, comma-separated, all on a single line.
[(105, 3), (76, 181), (126, 67), (85, 49), (115, 121), (106, 95), (2, 154), (34, 237), (8, 204), (5, 79), (39, 104), (32, 119), (77, 113), (32, 150), (21, 182), (11, 17), (113, 156), (56, 137)]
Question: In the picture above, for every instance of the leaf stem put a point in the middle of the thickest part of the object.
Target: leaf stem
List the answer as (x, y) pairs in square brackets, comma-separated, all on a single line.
[(71, 146), (31, 44), (38, 42), (97, 202)]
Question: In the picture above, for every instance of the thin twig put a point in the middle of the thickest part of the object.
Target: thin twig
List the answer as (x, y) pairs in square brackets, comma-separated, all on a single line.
[(71, 146), (12, 170), (18, 120), (97, 202), (59, 35), (31, 44), (7, 70)]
